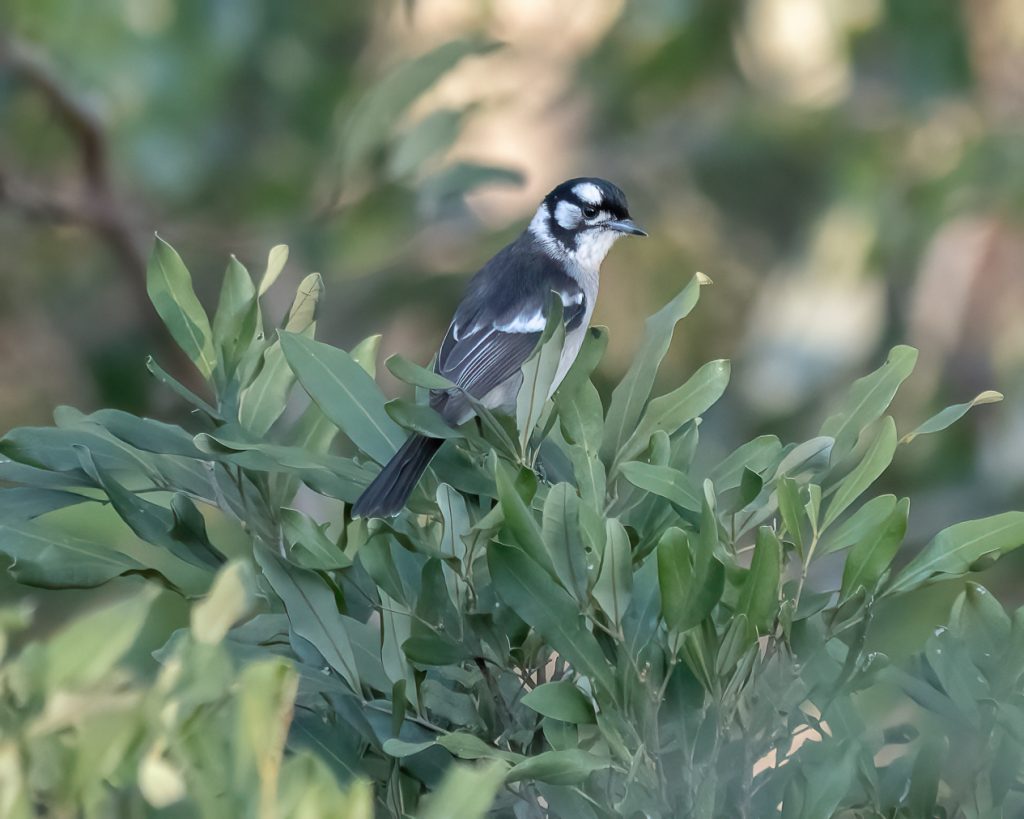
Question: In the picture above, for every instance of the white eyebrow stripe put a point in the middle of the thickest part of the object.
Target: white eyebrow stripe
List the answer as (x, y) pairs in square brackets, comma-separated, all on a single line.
[(588, 192)]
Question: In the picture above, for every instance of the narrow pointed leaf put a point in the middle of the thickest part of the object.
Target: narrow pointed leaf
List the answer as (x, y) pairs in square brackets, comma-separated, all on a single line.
[(950, 415), (630, 396), (170, 289), (875, 461)]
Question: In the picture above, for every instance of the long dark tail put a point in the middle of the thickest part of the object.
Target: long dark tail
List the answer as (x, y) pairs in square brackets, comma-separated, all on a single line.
[(387, 494)]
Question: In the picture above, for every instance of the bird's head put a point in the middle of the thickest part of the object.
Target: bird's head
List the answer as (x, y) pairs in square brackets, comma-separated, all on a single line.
[(580, 220)]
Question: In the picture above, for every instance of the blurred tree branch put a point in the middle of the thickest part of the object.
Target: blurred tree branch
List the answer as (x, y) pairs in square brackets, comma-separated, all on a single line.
[(96, 208)]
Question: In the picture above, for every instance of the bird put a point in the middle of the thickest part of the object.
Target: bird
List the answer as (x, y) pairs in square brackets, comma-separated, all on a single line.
[(502, 316)]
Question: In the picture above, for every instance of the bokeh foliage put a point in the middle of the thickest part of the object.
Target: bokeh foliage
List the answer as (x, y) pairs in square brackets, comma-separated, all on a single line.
[(595, 624)]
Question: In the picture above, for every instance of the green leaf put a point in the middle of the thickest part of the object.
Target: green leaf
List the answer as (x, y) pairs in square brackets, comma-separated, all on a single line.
[(852, 530), (663, 481), (23, 503), (161, 375), (669, 412), (263, 401), (346, 394), (560, 700), (956, 548), (520, 523), (371, 119), (410, 373), (237, 322), (277, 258), (756, 455), (469, 746), (875, 461), (676, 580), (86, 651), (170, 289), (539, 372), (558, 767), (420, 418), (759, 596), (791, 510), (873, 553), (312, 612), (311, 548), (591, 352), (562, 538), (540, 602), (230, 599), (614, 586), (582, 422), (950, 415), (630, 396), (867, 399), (43, 557), (464, 792)]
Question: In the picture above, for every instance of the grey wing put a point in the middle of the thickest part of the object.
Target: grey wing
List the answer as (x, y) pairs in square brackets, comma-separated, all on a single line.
[(477, 362), (487, 351)]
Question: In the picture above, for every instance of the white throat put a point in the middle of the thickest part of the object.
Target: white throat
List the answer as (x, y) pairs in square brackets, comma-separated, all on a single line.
[(592, 247)]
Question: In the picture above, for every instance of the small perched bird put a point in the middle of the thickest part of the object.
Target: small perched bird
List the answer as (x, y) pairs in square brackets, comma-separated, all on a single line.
[(502, 316)]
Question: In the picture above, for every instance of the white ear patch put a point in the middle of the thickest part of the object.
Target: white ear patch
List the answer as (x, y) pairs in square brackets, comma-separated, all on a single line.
[(588, 192), (567, 215)]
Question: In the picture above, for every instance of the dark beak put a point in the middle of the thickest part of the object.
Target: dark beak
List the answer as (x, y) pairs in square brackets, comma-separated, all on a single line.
[(627, 226)]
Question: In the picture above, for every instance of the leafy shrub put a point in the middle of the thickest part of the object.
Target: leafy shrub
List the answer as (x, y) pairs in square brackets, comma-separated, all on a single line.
[(570, 619)]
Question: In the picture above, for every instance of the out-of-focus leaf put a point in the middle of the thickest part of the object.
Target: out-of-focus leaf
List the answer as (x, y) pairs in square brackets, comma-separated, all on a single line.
[(956, 548), (669, 412), (312, 612), (867, 399), (614, 586), (539, 601), (261, 403), (630, 396), (429, 137), (759, 596), (170, 289), (873, 553), (924, 779), (465, 792), (346, 394), (372, 118), (229, 600), (875, 461), (560, 700), (950, 415), (85, 651), (558, 767)]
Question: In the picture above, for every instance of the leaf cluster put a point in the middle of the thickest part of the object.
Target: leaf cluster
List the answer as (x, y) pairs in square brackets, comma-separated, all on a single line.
[(570, 620)]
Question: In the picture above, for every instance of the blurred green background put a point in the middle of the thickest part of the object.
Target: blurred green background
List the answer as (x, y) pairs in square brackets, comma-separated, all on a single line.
[(850, 175)]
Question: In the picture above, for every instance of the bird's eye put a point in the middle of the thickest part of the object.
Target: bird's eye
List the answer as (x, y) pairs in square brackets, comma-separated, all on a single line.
[(590, 211)]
